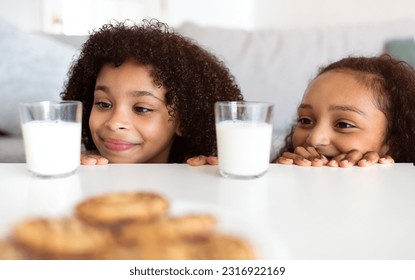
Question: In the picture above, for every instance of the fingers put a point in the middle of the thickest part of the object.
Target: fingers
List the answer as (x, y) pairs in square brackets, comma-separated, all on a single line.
[(293, 158), (303, 156), (356, 157), (93, 160), (346, 160), (197, 161), (368, 159), (308, 153), (212, 160), (202, 160), (102, 161), (284, 160), (317, 162), (310, 157), (386, 160), (313, 154)]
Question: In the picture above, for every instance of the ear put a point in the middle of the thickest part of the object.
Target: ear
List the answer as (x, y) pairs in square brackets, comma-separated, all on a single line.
[(178, 131), (384, 150)]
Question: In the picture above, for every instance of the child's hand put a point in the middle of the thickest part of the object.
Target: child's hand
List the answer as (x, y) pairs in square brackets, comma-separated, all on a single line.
[(202, 160), (309, 157), (303, 156), (356, 157), (88, 159)]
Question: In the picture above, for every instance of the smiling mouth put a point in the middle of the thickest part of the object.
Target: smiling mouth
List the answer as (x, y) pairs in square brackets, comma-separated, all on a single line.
[(116, 145)]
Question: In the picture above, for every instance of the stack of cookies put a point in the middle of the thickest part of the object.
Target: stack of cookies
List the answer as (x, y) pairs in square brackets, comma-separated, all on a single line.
[(133, 225)]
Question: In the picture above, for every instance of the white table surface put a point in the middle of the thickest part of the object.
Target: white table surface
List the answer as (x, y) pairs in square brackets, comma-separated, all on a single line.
[(290, 213)]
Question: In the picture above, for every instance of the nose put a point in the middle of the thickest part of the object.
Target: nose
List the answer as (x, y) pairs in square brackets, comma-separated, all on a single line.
[(318, 136), (119, 120)]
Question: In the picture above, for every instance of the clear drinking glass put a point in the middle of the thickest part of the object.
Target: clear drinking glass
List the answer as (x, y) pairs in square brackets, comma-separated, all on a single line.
[(52, 137), (243, 133)]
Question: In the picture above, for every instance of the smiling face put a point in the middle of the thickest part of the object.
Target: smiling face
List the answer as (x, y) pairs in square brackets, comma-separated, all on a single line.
[(338, 114), (129, 121)]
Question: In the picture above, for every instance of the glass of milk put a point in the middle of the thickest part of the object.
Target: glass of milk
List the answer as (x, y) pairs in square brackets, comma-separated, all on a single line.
[(243, 134), (52, 137)]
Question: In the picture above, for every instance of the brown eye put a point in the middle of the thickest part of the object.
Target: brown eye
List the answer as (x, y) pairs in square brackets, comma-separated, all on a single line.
[(304, 121), (345, 125), (103, 105), (142, 110)]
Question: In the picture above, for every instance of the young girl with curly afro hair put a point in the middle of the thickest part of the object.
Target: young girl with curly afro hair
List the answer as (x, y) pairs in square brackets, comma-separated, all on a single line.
[(357, 111), (148, 94)]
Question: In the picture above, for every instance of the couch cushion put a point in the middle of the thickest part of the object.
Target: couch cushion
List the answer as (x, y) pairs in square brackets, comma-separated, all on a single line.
[(12, 149), (276, 65), (33, 68)]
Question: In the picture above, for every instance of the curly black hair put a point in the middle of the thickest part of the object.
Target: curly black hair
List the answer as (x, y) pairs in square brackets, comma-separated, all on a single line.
[(193, 76), (393, 83)]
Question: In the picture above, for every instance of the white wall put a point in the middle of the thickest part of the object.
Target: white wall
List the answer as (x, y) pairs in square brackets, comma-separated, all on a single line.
[(312, 13), (241, 14), (227, 13), (95, 13), (25, 14)]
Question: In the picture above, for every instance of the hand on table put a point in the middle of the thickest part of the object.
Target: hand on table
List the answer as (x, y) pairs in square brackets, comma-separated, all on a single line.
[(90, 159), (358, 158), (310, 157), (303, 157), (202, 160)]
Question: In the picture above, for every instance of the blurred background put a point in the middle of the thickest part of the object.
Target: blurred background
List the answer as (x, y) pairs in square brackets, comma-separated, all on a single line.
[(76, 17), (272, 47)]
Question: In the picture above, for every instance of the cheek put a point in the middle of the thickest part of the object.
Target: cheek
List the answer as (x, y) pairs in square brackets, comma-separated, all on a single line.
[(374, 142), (299, 138), (346, 144), (156, 129), (361, 142), (94, 121)]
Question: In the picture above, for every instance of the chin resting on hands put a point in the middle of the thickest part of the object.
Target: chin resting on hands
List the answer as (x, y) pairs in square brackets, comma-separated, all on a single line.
[(310, 157), (202, 160), (90, 159)]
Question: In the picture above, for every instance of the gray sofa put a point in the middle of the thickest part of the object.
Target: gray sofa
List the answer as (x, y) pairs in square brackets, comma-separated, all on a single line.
[(32, 68), (269, 65)]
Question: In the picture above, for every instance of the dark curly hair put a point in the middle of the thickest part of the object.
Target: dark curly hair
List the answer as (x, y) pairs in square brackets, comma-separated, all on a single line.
[(194, 78), (393, 83)]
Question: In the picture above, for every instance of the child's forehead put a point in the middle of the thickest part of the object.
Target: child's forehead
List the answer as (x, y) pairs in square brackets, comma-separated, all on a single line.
[(348, 78), (340, 87), (337, 81), (365, 79)]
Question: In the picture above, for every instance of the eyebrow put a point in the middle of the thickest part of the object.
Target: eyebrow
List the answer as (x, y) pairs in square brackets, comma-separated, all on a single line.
[(336, 108), (135, 93), (348, 108)]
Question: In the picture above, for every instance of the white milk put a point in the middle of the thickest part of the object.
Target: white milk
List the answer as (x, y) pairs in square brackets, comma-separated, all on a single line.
[(243, 147), (52, 147)]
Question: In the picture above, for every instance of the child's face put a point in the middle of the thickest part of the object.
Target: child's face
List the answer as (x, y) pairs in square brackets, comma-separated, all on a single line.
[(337, 115), (129, 120)]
